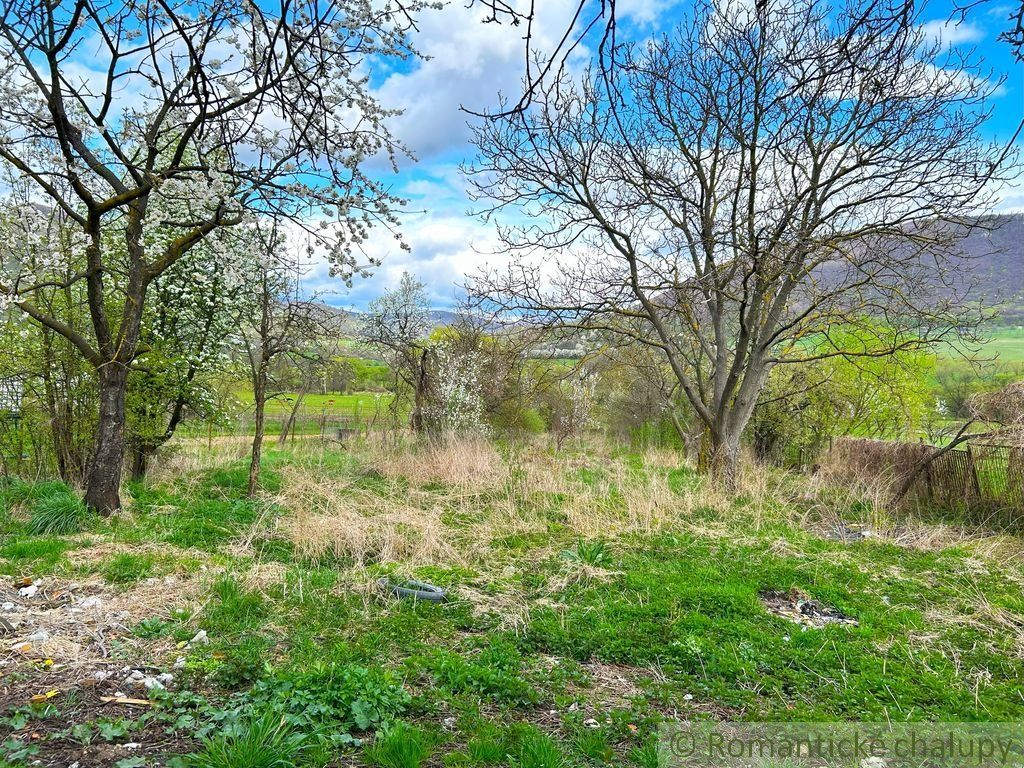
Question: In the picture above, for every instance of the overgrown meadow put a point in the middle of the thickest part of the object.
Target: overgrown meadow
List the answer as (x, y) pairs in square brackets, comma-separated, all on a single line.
[(593, 594)]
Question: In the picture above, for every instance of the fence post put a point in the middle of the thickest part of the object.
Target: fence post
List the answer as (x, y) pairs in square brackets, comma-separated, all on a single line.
[(928, 476), (974, 472)]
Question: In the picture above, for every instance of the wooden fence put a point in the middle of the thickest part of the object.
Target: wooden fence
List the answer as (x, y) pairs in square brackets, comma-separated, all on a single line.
[(979, 473)]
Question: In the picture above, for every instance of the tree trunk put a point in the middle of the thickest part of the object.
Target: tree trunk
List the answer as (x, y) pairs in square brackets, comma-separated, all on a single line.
[(289, 425), (725, 459), (140, 461), (259, 400), (416, 420), (145, 449), (103, 484)]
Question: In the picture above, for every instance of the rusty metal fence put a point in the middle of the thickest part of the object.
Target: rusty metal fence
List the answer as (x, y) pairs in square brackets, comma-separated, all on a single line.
[(979, 473)]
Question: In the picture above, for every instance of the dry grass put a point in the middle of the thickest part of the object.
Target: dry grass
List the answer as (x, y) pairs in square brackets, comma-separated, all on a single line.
[(184, 459), (625, 502), (977, 612), (329, 517), (470, 464)]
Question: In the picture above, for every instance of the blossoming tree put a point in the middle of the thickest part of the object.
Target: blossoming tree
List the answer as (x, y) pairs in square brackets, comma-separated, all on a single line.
[(132, 131)]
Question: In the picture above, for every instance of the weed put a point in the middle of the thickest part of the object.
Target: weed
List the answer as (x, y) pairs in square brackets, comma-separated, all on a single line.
[(400, 746), (112, 730), (495, 673), (151, 628), (339, 698), (595, 553), (264, 741)]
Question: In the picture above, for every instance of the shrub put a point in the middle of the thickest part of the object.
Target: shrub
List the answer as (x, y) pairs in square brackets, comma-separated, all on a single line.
[(265, 741), (57, 511), (400, 746), (336, 696)]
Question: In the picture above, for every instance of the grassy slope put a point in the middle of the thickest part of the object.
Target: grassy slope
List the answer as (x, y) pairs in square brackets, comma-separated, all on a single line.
[(572, 573), (316, 402), (1007, 344)]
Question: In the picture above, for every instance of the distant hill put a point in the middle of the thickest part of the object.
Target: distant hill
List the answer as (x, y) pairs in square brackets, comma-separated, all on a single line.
[(994, 258), (348, 319)]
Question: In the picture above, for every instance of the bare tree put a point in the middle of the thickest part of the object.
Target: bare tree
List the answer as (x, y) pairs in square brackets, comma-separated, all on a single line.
[(147, 126), (282, 325), (762, 178), (396, 325), (589, 17)]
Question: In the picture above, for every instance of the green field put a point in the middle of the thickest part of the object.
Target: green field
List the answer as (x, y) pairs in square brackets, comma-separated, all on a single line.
[(1002, 344), (315, 403), (1006, 344), (594, 595)]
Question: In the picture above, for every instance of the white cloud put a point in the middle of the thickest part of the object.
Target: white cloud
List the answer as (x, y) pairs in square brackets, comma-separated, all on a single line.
[(446, 245), (469, 64), (952, 33)]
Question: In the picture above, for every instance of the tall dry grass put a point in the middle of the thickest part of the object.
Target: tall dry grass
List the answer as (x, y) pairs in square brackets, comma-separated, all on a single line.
[(469, 463), (328, 516)]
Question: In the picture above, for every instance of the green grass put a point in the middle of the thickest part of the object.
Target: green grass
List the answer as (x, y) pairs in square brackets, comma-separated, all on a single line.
[(58, 511), (362, 403), (1006, 344), (126, 568), (264, 741), (400, 746), (1003, 343), (576, 644)]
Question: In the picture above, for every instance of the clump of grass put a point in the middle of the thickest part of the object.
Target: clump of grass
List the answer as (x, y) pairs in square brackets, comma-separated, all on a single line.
[(57, 511), (127, 568), (331, 520), (596, 553), (265, 741), (401, 746), (538, 750), (487, 748), (466, 463), (648, 755)]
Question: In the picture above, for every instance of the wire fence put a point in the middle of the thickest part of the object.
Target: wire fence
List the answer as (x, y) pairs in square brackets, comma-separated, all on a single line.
[(334, 421), (985, 474)]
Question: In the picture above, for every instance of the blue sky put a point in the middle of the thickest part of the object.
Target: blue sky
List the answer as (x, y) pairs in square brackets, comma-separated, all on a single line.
[(472, 62)]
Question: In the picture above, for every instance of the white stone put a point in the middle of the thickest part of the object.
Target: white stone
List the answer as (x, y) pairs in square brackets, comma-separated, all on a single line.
[(200, 638)]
